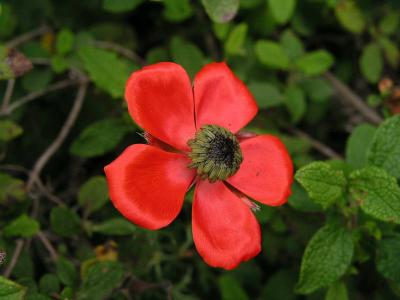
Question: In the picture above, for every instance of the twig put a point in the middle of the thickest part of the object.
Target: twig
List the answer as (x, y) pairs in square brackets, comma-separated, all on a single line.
[(55, 145), (317, 145), (32, 96), (345, 93), (46, 243), (17, 252), (26, 37), (7, 95), (120, 50)]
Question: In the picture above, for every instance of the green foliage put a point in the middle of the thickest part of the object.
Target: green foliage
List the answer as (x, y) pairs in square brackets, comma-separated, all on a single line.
[(221, 11), (358, 144), (66, 272), (371, 62), (295, 102), (266, 94), (272, 54), (64, 222), (10, 187), (230, 289), (350, 16), (65, 41), (49, 284), (337, 291), (118, 6), (282, 10), (93, 194), (387, 261), (116, 226), (23, 226), (235, 41), (177, 10), (315, 62), (9, 130), (10, 290)]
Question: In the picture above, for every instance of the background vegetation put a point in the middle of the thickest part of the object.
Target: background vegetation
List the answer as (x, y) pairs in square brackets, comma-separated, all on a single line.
[(325, 76)]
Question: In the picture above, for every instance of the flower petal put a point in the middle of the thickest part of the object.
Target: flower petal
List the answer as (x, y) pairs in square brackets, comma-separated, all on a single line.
[(266, 173), (225, 231), (160, 99), (222, 99), (147, 185)]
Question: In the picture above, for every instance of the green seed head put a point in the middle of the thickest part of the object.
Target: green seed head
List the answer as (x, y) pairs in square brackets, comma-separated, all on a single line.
[(215, 153)]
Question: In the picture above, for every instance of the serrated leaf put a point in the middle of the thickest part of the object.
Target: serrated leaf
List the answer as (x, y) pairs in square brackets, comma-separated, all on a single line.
[(230, 288), (108, 72), (387, 258), (371, 62), (23, 226), (377, 192), (9, 130), (295, 102), (235, 41), (337, 291), (221, 11), (315, 62), (93, 194), (10, 290), (266, 94), (271, 54), (119, 6), (177, 10), (350, 16), (66, 272), (65, 41), (384, 151), (11, 187), (323, 184), (188, 55), (99, 138), (292, 45), (64, 222), (116, 226), (282, 10), (358, 144), (327, 257)]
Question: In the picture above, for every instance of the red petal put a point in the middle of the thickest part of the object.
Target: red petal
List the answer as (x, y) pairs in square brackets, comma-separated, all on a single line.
[(222, 99), (225, 231), (266, 173), (160, 99), (147, 185)]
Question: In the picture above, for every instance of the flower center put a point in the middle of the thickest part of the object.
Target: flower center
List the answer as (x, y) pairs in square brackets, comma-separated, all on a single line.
[(215, 153)]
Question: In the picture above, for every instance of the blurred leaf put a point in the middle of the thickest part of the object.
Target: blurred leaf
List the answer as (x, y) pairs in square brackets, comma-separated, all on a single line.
[(377, 193), (230, 288), (282, 10), (23, 226), (187, 54), (271, 54), (384, 151), (66, 272), (292, 45), (11, 187), (8, 20), (235, 41), (280, 286), (295, 102), (266, 94), (37, 80), (93, 194), (9, 130), (315, 62), (59, 64), (323, 184), (99, 138), (221, 11), (49, 284), (387, 259), (108, 72), (157, 54), (64, 222), (300, 200), (10, 290), (358, 144), (177, 10), (116, 226), (327, 257), (391, 51), (221, 30), (317, 89), (65, 41), (371, 62), (350, 16), (118, 6), (337, 291), (390, 22), (100, 280)]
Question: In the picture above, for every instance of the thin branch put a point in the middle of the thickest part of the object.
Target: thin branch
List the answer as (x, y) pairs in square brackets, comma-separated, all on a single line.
[(26, 37), (55, 145), (317, 145), (7, 95), (46, 243), (120, 50), (17, 252), (347, 95)]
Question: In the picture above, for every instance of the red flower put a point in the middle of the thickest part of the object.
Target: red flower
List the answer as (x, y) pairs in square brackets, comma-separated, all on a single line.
[(148, 183)]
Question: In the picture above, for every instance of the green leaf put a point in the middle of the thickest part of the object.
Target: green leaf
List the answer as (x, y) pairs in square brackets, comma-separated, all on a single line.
[(235, 41), (371, 62), (300, 200), (315, 62), (116, 226), (272, 54), (177, 10), (390, 22), (391, 51), (282, 10), (119, 6), (188, 55), (323, 184), (266, 94), (295, 102), (37, 80), (387, 258), (377, 192), (10, 290), (99, 138), (23, 226), (279, 286), (337, 291), (230, 288), (9, 130), (358, 144), (65, 41), (59, 64), (384, 151), (327, 257), (93, 194), (64, 222), (49, 284), (292, 45), (8, 20), (221, 11), (157, 54), (66, 272), (350, 16), (100, 280), (11, 187), (108, 72), (317, 89)]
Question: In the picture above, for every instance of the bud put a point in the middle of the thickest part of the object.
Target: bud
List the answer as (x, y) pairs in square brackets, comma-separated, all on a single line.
[(13, 63)]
